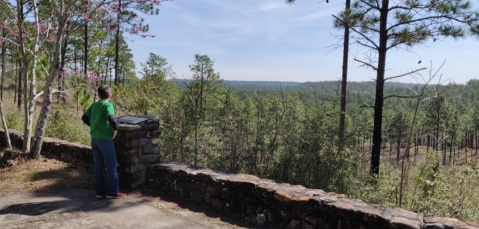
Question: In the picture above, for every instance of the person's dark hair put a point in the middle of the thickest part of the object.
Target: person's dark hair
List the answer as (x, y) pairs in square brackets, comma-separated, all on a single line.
[(104, 91)]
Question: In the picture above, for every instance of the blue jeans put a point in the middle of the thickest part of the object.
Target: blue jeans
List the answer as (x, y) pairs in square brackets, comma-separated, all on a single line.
[(104, 155)]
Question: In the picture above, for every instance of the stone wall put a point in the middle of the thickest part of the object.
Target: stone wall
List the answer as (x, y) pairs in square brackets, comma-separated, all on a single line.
[(268, 204), (137, 146), (261, 202), (53, 147)]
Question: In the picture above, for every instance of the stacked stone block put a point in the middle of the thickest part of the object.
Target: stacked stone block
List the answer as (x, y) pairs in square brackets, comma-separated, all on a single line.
[(266, 203), (16, 138), (137, 146), (73, 152)]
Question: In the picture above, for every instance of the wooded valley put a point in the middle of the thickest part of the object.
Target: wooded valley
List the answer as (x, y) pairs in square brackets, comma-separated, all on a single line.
[(409, 145)]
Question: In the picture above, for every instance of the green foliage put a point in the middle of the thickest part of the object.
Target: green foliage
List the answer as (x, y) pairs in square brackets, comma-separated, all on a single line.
[(431, 190), (63, 125), (153, 94), (14, 121)]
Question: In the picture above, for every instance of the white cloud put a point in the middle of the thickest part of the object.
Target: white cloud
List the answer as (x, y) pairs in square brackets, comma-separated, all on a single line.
[(269, 7), (225, 5), (269, 39), (318, 15)]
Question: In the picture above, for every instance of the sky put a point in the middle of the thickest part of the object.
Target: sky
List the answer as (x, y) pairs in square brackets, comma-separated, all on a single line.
[(269, 40)]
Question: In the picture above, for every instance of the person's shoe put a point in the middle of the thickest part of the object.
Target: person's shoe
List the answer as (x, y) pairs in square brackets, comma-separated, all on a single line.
[(116, 196), (100, 195)]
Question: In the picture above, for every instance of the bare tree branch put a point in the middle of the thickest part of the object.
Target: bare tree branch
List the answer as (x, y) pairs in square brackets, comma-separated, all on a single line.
[(405, 74), (366, 106), (400, 96), (367, 64)]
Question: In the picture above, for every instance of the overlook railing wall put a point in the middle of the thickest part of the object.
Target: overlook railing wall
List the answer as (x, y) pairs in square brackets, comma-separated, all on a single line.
[(261, 202)]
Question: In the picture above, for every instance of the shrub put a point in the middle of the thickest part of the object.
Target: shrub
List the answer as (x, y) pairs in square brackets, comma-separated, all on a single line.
[(14, 121), (64, 125)]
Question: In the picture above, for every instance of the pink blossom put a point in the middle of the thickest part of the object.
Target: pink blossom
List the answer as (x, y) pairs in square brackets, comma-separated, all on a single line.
[(144, 36), (85, 16), (62, 74), (93, 79), (100, 45), (153, 36)]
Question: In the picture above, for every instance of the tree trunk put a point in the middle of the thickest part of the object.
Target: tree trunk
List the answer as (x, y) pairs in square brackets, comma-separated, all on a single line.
[(476, 141), (30, 108), (48, 90), (379, 101), (344, 82), (16, 81), (428, 143), (61, 74), (117, 42), (24, 76), (398, 146), (20, 86), (106, 70), (436, 142), (4, 50), (5, 127), (85, 61), (454, 157), (450, 151), (390, 148), (444, 153)]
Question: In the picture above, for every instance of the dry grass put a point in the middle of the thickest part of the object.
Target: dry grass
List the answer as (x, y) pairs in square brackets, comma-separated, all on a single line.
[(44, 175), (460, 156)]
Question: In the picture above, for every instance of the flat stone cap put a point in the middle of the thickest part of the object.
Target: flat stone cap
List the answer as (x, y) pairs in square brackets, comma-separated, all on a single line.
[(132, 119), (122, 126)]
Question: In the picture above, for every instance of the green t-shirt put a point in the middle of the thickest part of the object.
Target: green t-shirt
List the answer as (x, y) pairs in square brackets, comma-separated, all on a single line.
[(98, 113)]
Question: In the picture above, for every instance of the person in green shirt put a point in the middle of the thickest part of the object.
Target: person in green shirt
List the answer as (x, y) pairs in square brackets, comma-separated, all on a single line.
[(100, 116)]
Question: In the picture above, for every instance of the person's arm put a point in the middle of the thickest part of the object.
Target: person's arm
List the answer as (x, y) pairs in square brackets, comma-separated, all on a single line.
[(112, 119), (85, 119), (86, 116), (113, 123)]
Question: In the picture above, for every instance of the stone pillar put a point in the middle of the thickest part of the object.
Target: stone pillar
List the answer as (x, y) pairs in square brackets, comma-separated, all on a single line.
[(137, 146)]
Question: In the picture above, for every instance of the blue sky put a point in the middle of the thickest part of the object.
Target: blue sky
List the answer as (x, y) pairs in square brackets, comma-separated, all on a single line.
[(269, 40)]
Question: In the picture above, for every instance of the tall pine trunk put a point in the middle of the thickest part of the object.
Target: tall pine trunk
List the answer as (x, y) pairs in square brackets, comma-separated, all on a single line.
[(379, 101), (344, 83)]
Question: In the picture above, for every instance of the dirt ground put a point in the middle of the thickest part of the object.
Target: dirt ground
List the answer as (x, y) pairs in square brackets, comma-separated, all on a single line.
[(42, 175)]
